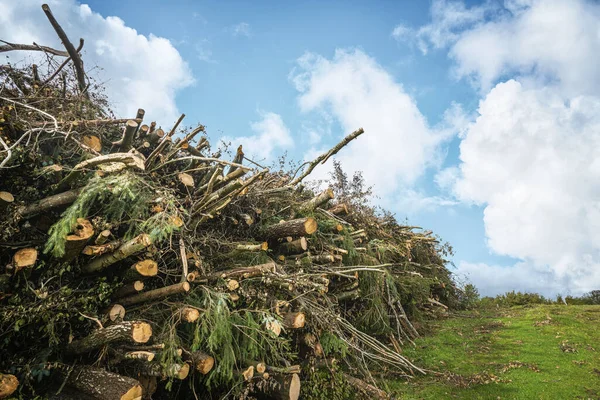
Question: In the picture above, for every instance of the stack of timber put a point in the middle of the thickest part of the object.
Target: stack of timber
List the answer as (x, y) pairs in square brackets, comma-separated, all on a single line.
[(138, 263)]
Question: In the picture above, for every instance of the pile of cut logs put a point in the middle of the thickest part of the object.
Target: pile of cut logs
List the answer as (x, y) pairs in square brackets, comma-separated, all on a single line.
[(134, 259)]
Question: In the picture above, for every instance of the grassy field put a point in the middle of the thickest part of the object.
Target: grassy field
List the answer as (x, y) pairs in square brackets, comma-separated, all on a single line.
[(535, 352)]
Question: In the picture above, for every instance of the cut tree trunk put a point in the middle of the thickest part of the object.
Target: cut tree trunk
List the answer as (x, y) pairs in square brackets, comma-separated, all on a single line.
[(102, 237), (93, 142), (5, 200), (202, 362), (8, 385), (186, 180), (244, 272), (129, 248), (61, 199), (141, 270), (189, 314), (128, 135), (156, 294), (339, 209), (115, 313), (76, 242), (177, 371), (128, 289), (24, 258), (264, 246), (140, 355), (98, 250), (104, 385), (282, 387), (129, 331), (297, 246), (294, 320), (295, 228), (317, 201)]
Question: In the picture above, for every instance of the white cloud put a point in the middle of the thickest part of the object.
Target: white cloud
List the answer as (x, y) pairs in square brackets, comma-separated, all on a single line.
[(139, 71), (397, 145), (241, 29), (530, 156), (532, 160), (271, 134), (492, 280), (448, 18)]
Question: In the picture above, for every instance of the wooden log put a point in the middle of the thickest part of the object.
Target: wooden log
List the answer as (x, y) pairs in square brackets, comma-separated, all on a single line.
[(141, 270), (128, 289), (323, 258), (248, 373), (154, 136), (239, 157), (177, 371), (127, 249), (127, 331), (5, 200), (296, 228), (58, 200), (294, 320), (129, 159), (273, 326), (260, 368), (232, 285), (8, 385), (186, 180), (115, 313), (128, 134), (143, 131), (247, 218), (140, 355), (202, 362), (101, 384), (317, 201), (93, 142), (244, 272), (264, 246), (188, 314), (282, 387), (76, 242), (339, 209), (297, 246), (156, 294), (98, 250), (102, 237), (366, 388), (24, 258), (76, 59)]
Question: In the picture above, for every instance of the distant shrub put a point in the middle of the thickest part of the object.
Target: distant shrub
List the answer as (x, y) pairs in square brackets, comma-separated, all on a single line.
[(468, 297), (591, 298), (510, 299)]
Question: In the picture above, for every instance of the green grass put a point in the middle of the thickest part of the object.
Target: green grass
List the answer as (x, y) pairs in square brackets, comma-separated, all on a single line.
[(535, 352)]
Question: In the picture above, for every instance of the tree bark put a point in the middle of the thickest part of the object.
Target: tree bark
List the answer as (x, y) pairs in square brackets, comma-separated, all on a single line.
[(295, 228), (103, 385), (317, 201), (124, 144), (282, 387), (77, 62), (297, 246), (61, 199), (244, 272), (130, 331), (128, 289), (129, 248), (32, 47), (156, 294), (129, 159), (264, 246), (177, 371)]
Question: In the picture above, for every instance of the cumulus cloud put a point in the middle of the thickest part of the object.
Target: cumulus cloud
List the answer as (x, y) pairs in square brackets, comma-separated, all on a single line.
[(270, 134), (357, 92), (530, 155), (139, 71)]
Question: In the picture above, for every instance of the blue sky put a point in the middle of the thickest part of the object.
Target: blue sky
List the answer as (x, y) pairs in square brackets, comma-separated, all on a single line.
[(481, 117)]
